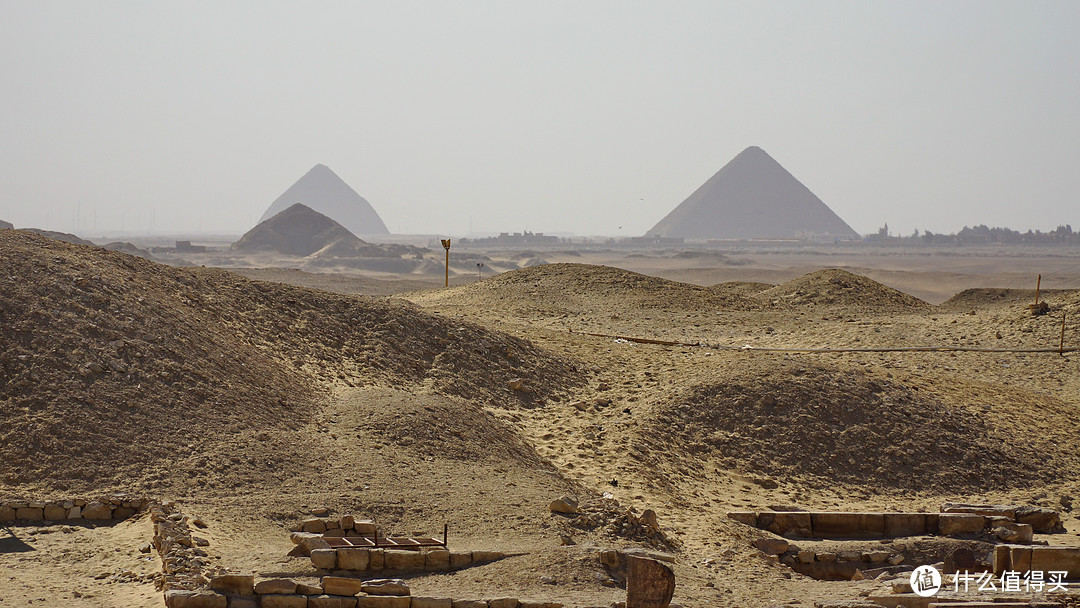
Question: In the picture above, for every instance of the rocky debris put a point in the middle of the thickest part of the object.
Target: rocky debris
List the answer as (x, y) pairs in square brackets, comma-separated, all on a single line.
[(771, 546), (835, 287), (649, 583), (1041, 519), (607, 515), (385, 586)]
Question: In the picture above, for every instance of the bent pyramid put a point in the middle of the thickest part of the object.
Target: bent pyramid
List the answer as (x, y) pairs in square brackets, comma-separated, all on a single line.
[(322, 190), (298, 230), (752, 197)]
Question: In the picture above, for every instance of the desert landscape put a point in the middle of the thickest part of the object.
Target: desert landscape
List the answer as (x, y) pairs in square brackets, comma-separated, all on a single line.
[(555, 418)]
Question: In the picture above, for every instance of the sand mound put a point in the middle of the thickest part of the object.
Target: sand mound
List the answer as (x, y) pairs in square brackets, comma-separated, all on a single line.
[(6, 225), (124, 362), (829, 426), (834, 287), (583, 287), (741, 288), (997, 296), (60, 236)]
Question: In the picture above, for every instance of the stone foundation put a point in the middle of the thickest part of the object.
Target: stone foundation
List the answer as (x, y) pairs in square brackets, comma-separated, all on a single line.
[(111, 508)]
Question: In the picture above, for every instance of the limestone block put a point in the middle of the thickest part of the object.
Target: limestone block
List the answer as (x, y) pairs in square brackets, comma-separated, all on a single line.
[(1044, 521), (432, 602), (195, 599), (566, 504), (347, 522), (460, 559), (275, 586), (324, 559), (785, 523), (334, 533), (376, 559), (826, 556), (243, 602), (385, 586), (331, 601), (806, 556), (960, 524), (989, 510), (437, 559), (338, 585), (365, 527), (234, 584), (771, 546), (36, 504), (486, 557), (313, 525), (384, 601), (353, 558), (538, 604), (744, 517), (310, 544), (29, 513), (7, 513), (74, 512), (649, 583), (503, 602), (1002, 563), (1020, 558), (283, 601), (848, 525), (469, 604), (403, 561), (306, 589), (97, 510), (905, 524), (1015, 533), (55, 512), (878, 557), (122, 512), (1049, 559)]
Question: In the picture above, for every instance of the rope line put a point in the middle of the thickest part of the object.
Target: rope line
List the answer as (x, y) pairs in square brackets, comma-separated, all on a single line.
[(891, 349)]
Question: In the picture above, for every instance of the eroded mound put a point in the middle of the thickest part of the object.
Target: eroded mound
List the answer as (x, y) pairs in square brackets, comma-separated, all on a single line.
[(996, 296), (112, 362), (829, 426), (743, 288), (835, 287), (584, 287)]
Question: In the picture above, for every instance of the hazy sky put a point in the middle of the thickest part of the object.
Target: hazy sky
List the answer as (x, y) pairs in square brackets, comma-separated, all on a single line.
[(581, 116)]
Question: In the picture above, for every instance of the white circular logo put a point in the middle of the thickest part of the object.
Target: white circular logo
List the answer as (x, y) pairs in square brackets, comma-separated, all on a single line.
[(925, 581)]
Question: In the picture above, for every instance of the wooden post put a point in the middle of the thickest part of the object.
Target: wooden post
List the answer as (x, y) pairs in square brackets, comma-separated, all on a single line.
[(1038, 282), (446, 245)]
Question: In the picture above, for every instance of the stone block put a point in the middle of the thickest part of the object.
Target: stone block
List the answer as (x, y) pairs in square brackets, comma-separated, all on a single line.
[(324, 559), (1060, 559), (905, 524), (469, 604), (122, 512), (283, 601), (195, 599), (313, 525), (403, 561), (460, 559), (312, 543), (7, 513), (339, 585), (796, 524), (1015, 533), (806, 556), (29, 513), (846, 525), (1001, 561), (234, 584), (432, 602), (503, 602), (567, 505), (649, 583), (1020, 558), (331, 601), (384, 601), (826, 556), (55, 512), (744, 517), (486, 557), (437, 559), (987, 510), (376, 559), (353, 558), (1042, 520), (74, 512), (385, 586), (97, 510), (275, 586), (960, 524), (334, 533), (771, 546), (538, 604), (306, 589), (347, 522), (243, 602), (365, 527)]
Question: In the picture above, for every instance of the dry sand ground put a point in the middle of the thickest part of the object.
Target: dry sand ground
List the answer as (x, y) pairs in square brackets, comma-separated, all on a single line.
[(400, 410)]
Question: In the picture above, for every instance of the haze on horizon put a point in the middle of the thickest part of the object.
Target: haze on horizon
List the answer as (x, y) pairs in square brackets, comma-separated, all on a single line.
[(585, 117)]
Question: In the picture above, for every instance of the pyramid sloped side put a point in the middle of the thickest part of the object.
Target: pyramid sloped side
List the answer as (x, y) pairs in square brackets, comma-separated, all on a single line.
[(322, 190), (752, 197), (298, 230)]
